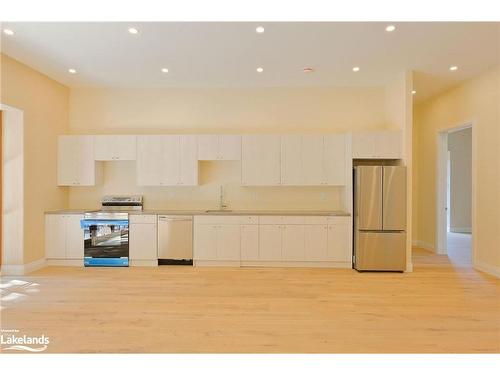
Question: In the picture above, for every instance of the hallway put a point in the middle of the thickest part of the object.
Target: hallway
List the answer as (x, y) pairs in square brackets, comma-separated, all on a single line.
[(460, 249)]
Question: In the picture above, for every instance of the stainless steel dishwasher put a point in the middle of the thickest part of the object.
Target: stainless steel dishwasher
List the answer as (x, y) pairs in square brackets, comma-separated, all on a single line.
[(175, 240)]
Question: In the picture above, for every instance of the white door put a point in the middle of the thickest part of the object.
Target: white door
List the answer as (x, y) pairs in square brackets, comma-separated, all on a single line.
[(334, 160), (339, 249), (205, 242), (260, 164), (228, 242), (143, 242), (316, 237), (85, 163), (363, 145), (114, 147), (249, 242), (74, 237), (229, 147), (55, 236), (188, 174), (171, 160), (67, 160), (270, 242), (312, 160), (293, 244), (208, 147), (149, 160), (291, 160)]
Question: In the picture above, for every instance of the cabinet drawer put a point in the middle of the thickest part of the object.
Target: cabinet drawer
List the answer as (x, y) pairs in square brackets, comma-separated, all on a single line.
[(142, 219), (281, 219), (315, 220), (339, 220), (217, 219), (249, 220)]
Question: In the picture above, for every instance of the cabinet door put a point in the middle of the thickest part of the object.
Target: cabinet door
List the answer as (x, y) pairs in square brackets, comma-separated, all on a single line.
[(55, 236), (388, 145), (339, 249), (312, 160), (143, 242), (149, 160), (229, 147), (74, 237), (171, 160), (293, 244), (188, 174), (208, 147), (316, 237), (363, 145), (75, 159), (114, 147), (260, 164), (205, 242), (270, 242), (334, 160), (291, 160), (249, 242), (228, 242)]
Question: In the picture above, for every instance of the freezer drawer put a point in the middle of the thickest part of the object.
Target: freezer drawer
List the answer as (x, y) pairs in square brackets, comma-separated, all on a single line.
[(380, 251)]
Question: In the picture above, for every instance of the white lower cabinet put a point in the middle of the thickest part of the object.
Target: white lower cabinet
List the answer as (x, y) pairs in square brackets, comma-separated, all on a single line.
[(249, 242), (273, 240), (143, 240), (63, 237), (316, 240), (270, 242), (217, 239)]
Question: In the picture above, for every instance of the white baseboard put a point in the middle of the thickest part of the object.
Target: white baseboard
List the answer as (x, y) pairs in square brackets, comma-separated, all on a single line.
[(423, 245), (22, 269), (487, 268), (143, 263), (461, 230)]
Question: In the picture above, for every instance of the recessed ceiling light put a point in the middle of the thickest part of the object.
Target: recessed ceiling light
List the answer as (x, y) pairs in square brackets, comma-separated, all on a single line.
[(164, 70), (390, 28), (355, 69), (260, 29), (72, 71), (453, 68), (260, 70), (8, 31), (413, 92), (133, 30), (308, 70)]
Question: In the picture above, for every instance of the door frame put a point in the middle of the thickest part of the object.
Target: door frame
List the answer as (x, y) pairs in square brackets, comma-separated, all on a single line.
[(442, 189)]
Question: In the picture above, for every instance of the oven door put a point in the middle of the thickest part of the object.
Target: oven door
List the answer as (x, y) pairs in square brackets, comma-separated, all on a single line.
[(105, 242)]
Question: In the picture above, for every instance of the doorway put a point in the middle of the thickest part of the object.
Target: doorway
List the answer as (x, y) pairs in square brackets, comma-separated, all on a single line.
[(455, 198)]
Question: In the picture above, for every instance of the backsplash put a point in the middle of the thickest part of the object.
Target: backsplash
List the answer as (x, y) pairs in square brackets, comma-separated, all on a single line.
[(120, 178)]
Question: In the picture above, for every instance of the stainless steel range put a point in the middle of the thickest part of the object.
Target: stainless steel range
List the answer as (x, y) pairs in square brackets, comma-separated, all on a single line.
[(106, 232)]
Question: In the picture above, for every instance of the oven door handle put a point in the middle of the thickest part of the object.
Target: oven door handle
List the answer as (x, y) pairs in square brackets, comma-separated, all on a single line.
[(86, 223)]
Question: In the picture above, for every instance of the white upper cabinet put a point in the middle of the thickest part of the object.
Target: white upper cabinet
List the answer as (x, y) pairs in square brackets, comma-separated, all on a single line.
[(335, 160), (219, 147), (261, 161), (377, 145), (75, 161), (167, 160), (114, 147), (313, 160)]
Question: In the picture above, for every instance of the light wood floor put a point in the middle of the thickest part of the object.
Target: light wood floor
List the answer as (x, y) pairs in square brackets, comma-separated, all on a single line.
[(438, 308)]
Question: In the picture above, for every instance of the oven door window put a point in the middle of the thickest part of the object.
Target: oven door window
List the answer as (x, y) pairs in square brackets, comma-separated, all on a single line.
[(106, 240)]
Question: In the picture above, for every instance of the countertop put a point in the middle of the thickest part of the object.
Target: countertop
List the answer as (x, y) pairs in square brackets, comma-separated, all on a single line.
[(204, 212)]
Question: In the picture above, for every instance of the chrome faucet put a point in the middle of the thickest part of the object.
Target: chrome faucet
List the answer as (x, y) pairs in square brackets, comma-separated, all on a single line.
[(222, 205)]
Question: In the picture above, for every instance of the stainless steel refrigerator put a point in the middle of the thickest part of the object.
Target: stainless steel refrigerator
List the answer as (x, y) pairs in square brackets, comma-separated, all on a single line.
[(379, 218)]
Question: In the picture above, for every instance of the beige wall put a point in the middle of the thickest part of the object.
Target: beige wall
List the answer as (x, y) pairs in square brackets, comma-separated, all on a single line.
[(45, 106), (476, 100), (250, 110), (460, 147)]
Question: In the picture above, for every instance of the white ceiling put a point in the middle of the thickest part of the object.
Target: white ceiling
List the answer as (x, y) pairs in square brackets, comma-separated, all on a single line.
[(226, 54)]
